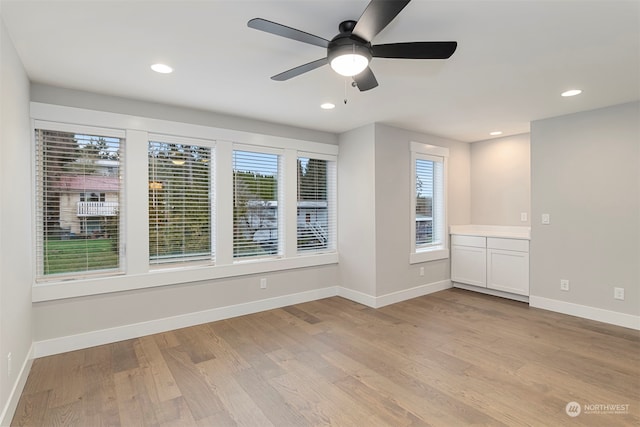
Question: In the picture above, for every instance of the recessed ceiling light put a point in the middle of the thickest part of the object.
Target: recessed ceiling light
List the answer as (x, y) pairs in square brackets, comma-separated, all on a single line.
[(161, 68), (572, 92), (495, 133), (328, 106)]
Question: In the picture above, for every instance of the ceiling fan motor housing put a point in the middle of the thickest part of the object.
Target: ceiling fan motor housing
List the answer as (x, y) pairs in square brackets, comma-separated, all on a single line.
[(347, 43)]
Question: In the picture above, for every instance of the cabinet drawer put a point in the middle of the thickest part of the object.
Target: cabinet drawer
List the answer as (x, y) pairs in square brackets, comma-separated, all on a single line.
[(475, 241), (519, 245)]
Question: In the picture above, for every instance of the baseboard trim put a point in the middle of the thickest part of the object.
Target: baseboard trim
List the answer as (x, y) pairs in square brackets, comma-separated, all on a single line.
[(592, 313), (394, 297), (106, 336), (14, 396), (414, 292), (357, 296)]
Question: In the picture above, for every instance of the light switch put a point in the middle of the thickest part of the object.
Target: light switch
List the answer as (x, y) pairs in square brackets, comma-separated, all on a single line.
[(546, 219)]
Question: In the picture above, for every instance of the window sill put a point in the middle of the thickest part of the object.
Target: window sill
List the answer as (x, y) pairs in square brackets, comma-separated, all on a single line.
[(426, 256), (50, 291)]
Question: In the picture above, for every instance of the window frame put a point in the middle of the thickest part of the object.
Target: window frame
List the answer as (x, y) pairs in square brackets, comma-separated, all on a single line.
[(138, 273), (39, 277), (280, 191), (432, 252), (187, 261), (332, 201)]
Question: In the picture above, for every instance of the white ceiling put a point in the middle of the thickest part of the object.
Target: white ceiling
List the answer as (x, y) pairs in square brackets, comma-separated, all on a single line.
[(513, 59)]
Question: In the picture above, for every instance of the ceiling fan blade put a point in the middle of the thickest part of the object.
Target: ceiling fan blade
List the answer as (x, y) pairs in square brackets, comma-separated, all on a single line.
[(288, 32), (365, 80), (301, 69), (415, 50), (377, 15)]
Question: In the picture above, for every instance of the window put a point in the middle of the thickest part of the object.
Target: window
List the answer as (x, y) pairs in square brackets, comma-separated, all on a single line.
[(79, 200), (180, 202), (256, 230), (429, 237), (316, 220), (200, 201)]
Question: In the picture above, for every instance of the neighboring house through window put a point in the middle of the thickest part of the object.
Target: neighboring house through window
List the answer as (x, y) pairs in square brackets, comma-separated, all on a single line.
[(256, 229), (79, 199), (316, 204)]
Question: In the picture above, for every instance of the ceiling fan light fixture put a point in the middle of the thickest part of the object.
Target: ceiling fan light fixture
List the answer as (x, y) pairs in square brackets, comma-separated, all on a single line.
[(349, 64), (348, 58)]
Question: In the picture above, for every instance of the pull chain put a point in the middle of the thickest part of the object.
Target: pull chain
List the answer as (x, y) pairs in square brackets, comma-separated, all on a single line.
[(345, 92)]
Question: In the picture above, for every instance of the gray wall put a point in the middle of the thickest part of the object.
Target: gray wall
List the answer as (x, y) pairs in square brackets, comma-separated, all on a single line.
[(501, 181), (114, 104), (356, 210), (585, 174), (393, 207), (62, 318), (69, 317), (15, 217), (374, 208)]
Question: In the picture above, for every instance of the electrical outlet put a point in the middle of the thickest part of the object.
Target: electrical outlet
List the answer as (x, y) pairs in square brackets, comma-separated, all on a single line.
[(263, 283), (9, 365), (523, 216), (564, 285), (618, 293), (421, 271), (546, 219)]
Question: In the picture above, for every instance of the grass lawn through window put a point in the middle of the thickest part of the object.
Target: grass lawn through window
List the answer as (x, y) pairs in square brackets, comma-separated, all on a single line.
[(66, 256)]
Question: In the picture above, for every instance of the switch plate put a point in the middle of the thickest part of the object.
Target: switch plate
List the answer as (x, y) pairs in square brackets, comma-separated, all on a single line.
[(546, 219), (421, 271), (618, 293), (564, 285), (263, 283)]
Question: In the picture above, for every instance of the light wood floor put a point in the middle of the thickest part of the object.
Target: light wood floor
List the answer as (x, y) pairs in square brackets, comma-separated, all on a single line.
[(452, 358)]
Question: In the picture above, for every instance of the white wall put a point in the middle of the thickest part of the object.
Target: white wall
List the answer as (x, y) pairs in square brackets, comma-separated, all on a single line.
[(501, 181), (585, 172), (15, 225)]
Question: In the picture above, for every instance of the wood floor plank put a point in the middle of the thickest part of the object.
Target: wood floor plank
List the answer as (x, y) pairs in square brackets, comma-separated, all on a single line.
[(150, 358), (240, 406), (201, 399), (100, 405), (452, 358)]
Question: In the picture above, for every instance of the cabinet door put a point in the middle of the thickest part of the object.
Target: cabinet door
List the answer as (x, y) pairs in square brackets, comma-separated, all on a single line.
[(469, 265), (508, 271)]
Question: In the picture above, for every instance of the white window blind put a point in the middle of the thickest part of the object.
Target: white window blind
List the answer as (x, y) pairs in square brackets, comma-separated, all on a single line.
[(256, 230), (429, 209), (79, 201), (316, 210), (180, 203)]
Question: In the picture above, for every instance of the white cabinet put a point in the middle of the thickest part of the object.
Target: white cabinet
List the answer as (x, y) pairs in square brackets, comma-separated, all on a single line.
[(508, 265), (500, 264), (469, 260)]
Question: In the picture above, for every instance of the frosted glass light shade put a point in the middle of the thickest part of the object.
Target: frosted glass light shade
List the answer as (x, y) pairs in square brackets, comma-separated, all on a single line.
[(349, 64)]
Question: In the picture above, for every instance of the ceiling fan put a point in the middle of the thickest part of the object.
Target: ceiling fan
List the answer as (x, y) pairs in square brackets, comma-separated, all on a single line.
[(350, 52)]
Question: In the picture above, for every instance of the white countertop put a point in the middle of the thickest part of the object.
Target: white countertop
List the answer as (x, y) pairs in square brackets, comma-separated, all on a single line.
[(503, 231)]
